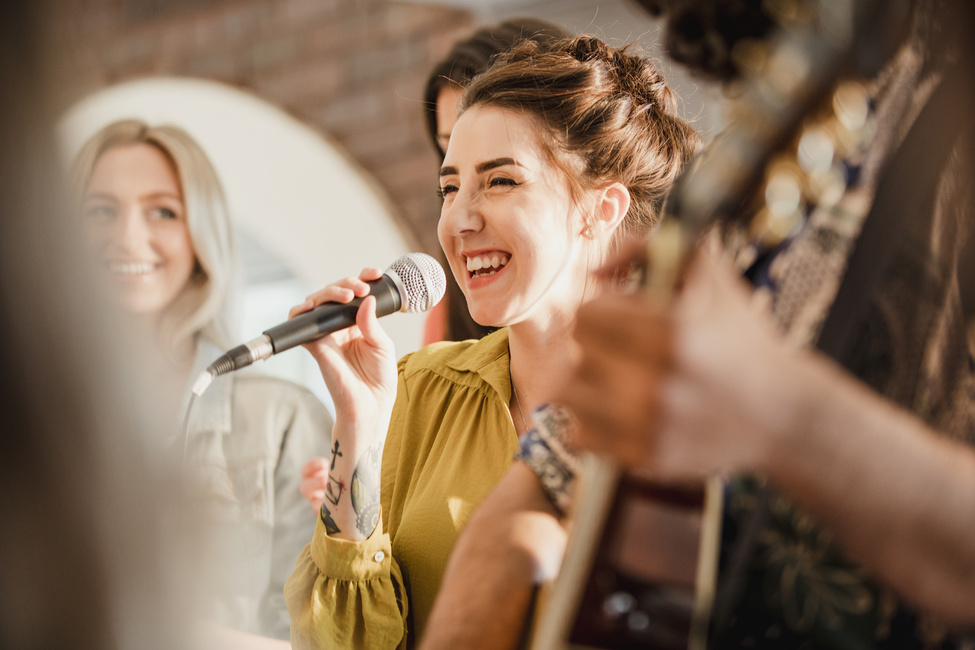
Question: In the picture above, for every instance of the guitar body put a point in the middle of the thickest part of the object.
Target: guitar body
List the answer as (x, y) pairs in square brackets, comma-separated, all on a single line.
[(622, 583), (638, 595)]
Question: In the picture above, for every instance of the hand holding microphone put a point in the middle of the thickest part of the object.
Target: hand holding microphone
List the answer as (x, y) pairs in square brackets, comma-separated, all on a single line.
[(357, 363), (413, 283)]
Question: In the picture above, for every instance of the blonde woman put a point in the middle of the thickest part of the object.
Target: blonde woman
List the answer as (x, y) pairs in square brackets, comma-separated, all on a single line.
[(156, 216)]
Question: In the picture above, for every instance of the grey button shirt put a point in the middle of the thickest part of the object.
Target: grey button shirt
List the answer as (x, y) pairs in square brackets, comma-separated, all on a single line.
[(248, 437)]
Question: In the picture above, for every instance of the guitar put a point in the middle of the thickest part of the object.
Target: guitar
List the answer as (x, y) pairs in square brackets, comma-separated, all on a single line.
[(794, 117)]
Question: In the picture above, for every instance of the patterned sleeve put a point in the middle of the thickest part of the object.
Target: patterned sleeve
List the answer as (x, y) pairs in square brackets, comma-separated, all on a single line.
[(545, 450)]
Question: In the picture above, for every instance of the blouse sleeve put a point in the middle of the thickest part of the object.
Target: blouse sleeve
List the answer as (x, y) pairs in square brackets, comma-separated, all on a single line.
[(345, 594)]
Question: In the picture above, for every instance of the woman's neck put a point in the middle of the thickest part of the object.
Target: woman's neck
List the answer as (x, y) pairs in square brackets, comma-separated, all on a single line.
[(539, 358), (178, 357)]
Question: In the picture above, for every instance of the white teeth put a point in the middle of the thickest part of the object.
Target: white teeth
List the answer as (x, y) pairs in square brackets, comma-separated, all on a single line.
[(131, 268), (479, 263)]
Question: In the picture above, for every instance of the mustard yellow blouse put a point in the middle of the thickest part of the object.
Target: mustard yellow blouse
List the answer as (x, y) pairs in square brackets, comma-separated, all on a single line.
[(450, 441)]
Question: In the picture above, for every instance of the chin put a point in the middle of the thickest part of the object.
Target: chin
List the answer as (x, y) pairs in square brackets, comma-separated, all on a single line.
[(485, 319)]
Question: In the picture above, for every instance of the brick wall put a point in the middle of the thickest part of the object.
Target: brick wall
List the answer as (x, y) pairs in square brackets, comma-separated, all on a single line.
[(354, 69)]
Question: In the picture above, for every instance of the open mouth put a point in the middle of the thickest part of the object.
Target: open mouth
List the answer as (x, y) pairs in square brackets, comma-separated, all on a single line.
[(486, 264), (131, 269)]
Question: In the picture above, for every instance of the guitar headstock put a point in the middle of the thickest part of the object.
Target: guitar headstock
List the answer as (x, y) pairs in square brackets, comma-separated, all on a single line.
[(796, 115)]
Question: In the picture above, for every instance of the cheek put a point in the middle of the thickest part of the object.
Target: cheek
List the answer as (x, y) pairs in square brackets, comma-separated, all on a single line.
[(447, 223), (446, 235), (178, 247), (455, 266), (98, 234), (442, 236)]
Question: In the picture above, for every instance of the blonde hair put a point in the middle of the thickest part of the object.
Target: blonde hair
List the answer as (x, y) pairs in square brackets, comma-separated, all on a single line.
[(204, 307)]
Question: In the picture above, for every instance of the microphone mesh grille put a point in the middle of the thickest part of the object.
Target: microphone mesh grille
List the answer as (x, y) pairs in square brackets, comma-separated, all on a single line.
[(423, 279)]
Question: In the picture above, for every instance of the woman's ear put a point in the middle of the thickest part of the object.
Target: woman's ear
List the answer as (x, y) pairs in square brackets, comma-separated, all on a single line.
[(612, 204)]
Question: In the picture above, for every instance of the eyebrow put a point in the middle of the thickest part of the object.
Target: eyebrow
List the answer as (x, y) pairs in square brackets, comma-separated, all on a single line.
[(105, 196), (155, 195), (484, 166)]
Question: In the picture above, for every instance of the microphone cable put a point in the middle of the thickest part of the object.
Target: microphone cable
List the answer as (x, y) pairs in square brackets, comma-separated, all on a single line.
[(186, 424)]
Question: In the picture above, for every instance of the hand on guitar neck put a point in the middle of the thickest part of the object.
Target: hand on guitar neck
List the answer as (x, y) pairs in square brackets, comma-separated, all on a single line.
[(703, 384), (656, 373)]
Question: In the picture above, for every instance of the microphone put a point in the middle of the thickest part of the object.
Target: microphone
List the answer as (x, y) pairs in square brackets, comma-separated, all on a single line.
[(413, 283)]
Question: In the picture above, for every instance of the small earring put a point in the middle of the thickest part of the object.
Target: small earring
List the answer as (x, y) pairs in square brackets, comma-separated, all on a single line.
[(588, 233)]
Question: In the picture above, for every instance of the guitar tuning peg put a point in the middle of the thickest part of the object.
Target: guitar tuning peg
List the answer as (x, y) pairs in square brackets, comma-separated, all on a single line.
[(782, 215), (768, 230), (827, 187), (783, 188), (851, 105), (816, 149), (853, 119)]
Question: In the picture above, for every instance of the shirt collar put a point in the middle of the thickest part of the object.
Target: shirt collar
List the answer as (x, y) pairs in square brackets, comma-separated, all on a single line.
[(488, 358)]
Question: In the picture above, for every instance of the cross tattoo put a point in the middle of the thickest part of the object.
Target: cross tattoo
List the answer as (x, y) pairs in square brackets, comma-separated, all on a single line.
[(335, 454)]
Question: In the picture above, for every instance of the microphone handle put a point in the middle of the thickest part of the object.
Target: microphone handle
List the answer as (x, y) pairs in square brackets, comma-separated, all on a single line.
[(324, 319), (332, 317)]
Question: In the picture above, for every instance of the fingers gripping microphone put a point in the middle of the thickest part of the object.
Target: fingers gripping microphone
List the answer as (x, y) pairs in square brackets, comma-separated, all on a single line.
[(413, 283)]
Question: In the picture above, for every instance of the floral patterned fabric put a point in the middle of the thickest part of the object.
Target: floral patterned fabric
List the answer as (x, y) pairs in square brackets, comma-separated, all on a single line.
[(797, 589), (543, 448)]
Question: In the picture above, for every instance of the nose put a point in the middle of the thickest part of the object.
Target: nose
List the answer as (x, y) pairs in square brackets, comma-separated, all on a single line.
[(131, 230), (461, 215)]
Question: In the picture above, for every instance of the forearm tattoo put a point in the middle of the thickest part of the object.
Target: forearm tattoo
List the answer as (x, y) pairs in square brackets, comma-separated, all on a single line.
[(330, 526), (333, 490), (365, 490), (335, 454)]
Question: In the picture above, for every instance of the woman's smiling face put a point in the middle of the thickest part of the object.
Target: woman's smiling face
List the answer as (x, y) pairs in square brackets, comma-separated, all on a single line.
[(136, 219), (508, 225)]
